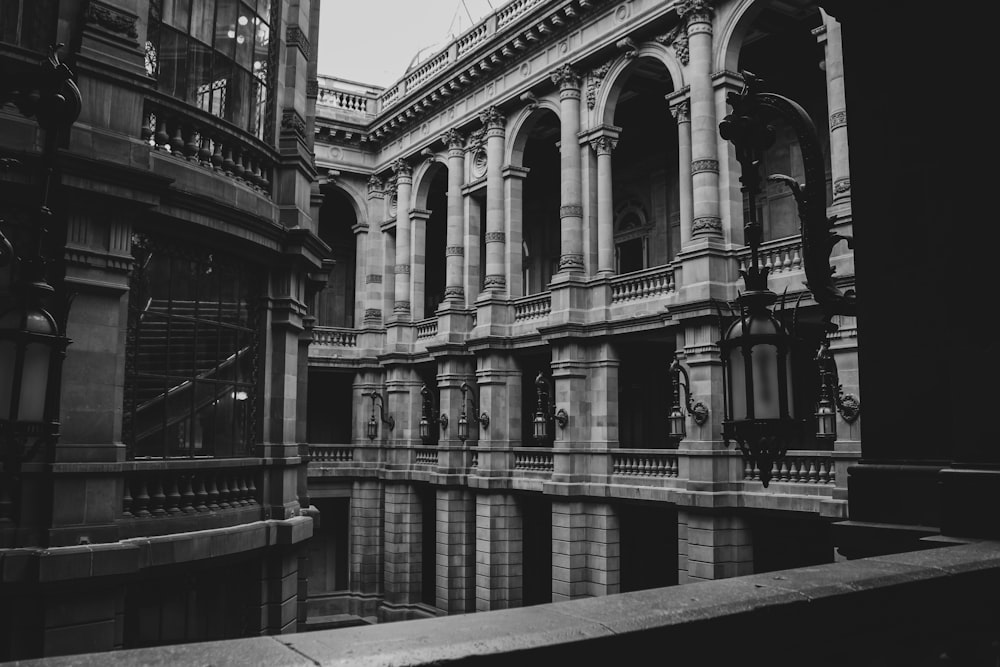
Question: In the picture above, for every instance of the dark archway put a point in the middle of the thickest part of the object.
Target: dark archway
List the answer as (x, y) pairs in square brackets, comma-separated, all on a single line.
[(335, 302), (540, 221)]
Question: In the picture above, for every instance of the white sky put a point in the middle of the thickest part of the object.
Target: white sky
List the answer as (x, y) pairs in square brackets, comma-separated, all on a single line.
[(373, 41)]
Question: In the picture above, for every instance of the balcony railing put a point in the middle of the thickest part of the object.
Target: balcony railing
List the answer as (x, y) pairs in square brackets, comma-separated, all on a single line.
[(331, 453), (642, 284), (644, 463), (334, 337), (427, 328), (533, 306), (781, 255), (194, 135), (510, 12), (802, 467), (426, 455), (530, 458)]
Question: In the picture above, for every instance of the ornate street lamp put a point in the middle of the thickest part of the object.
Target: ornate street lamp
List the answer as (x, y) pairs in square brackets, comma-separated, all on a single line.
[(677, 418), (757, 348), (426, 415), (378, 400), (545, 410), (463, 422)]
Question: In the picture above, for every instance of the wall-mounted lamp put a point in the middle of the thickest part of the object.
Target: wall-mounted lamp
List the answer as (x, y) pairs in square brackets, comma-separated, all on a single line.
[(463, 422), (760, 411), (546, 411), (427, 415), (677, 419), (372, 422), (832, 397)]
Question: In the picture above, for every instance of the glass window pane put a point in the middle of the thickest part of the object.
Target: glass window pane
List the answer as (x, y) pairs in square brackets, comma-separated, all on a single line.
[(173, 64), (264, 9), (262, 46), (222, 85), (203, 20), (10, 11), (244, 37), (225, 27), (200, 76), (177, 13), (258, 109)]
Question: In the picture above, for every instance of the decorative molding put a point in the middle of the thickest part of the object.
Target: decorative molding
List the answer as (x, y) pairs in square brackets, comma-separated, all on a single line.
[(475, 141), (570, 211), (373, 315), (295, 37), (594, 78), (838, 119), (402, 307), (706, 225), (676, 37), (841, 186), (312, 88), (455, 250), (401, 268), (530, 101), (696, 11), (604, 145), (628, 46), (495, 281), (849, 407), (291, 120), (402, 170), (453, 139), (479, 163), (111, 19), (454, 293), (375, 185), (373, 278), (494, 237), (681, 112), (492, 120), (699, 166), (571, 262)]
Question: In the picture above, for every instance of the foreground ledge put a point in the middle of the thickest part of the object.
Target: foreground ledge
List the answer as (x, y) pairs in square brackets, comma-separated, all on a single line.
[(933, 606)]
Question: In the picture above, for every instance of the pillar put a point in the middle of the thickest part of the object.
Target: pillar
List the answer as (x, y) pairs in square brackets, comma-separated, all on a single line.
[(402, 548), (585, 550), (366, 545), (454, 292), (513, 179), (571, 186), (712, 546), (704, 128), (499, 557), (404, 181), (417, 261), (837, 105), (681, 112), (456, 550), (493, 122), (603, 145)]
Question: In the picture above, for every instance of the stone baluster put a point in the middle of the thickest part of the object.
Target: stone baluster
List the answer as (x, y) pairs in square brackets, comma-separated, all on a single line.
[(177, 140), (222, 484), (160, 137), (126, 501), (212, 491), (156, 497), (140, 498), (217, 159), (191, 145), (252, 488), (172, 504), (200, 493), (187, 494)]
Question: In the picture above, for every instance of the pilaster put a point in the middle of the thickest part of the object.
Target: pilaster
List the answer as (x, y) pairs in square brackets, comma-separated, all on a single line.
[(456, 550), (499, 557), (585, 550), (403, 558), (712, 546), (366, 545)]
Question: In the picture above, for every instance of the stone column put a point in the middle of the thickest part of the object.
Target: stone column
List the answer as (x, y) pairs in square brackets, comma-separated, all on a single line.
[(513, 179), (454, 292), (402, 547), (418, 259), (585, 550), (681, 111), (704, 128), (361, 243), (712, 546), (404, 180), (493, 122), (366, 546), (456, 550), (571, 189), (603, 145), (837, 104), (499, 554)]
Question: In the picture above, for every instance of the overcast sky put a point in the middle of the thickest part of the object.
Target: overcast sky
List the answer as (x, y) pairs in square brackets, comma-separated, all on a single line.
[(373, 41)]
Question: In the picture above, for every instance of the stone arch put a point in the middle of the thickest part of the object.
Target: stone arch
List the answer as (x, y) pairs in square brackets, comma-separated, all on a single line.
[(617, 75), (733, 32), (520, 129), (423, 176), (351, 193)]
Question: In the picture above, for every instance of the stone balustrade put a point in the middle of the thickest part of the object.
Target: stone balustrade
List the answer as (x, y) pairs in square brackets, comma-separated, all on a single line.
[(642, 284), (155, 492), (426, 455), (198, 137), (780, 256), (469, 40), (532, 306), (335, 94), (532, 458), (389, 97), (800, 467), (427, 328), (427, 70), (510, 12), (331, 453), (644, 463), (334, 337)]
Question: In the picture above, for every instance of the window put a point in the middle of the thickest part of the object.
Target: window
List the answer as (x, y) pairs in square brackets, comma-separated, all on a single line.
[(216, 55), (28, 23), (191, 353)]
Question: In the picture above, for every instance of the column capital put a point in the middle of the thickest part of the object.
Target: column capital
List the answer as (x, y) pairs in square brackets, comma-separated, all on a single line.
[(681, 111), (455, 141), (696, 11), (493, 120), (604, 144), (375, 186), (404, 172), (568, 80)]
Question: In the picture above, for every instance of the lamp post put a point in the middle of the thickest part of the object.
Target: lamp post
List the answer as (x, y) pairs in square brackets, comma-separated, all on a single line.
[(757, 348), (32, 342), (677, 418), (545, 410), (463, 421), (426, 415)]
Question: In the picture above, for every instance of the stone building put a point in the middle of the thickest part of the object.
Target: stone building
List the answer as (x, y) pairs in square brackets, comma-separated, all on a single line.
[(527, 228), (173, 506)]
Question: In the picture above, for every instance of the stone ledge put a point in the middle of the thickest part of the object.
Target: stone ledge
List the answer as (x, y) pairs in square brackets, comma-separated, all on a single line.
[(898, 609)]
